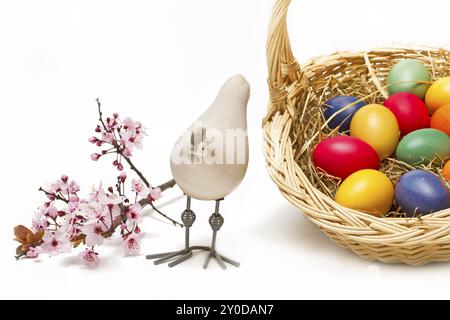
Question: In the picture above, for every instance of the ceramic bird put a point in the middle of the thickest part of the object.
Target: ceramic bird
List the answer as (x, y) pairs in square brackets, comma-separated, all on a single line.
[(209, 161)]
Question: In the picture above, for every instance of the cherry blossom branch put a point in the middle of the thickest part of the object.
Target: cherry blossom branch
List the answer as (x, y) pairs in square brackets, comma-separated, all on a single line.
[(118, 148), (66, 220), (120, 151)]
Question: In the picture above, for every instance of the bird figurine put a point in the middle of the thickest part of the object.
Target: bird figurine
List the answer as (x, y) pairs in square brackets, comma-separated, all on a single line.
[(209, 161)]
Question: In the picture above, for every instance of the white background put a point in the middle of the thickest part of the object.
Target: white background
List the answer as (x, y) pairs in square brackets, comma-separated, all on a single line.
[(162, 62)]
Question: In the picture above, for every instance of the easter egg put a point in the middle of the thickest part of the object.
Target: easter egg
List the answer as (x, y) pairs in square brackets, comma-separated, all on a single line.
[(422, 146), (441, 119), (342, 118), (409, 110), (367, 190), (405, 75), (446, 171), (420, 192), (376, 125), (438, 94), (343, 155)]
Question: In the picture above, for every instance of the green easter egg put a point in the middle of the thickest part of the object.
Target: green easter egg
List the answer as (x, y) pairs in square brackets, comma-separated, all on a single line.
[(408, 70), (422, 146)]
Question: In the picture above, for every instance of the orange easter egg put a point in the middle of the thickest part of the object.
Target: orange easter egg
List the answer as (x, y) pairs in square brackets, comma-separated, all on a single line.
[(441, 119), (446, 171)]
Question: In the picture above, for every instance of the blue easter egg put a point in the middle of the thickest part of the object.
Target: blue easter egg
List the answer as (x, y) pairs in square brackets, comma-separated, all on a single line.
[(342, 119), (420, 192)]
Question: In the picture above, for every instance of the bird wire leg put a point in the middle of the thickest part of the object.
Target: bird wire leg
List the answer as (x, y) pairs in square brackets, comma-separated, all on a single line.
[(188, 218), (216, 221)]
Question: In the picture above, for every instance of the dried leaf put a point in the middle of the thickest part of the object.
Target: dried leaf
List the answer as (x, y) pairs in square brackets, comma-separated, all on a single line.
[(21, 233), (37, 237), (76, 241), (30, 237), (19, 250)]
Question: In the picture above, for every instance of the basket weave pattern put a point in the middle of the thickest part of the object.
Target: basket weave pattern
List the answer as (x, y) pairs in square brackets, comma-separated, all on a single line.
[(288, 139)]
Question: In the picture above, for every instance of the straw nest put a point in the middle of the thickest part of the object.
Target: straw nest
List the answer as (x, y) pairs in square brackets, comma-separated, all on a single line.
[(294, 125)]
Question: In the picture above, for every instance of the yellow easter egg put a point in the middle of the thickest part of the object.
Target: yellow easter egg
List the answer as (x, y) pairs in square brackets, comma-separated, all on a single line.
[(367, 190), (438, 94), (376, 125)]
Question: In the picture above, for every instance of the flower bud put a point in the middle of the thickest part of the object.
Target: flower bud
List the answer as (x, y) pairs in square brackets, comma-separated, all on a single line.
[(95, 156)]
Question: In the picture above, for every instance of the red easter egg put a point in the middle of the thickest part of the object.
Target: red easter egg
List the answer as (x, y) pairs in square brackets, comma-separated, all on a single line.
[(343, 155), (411, 112)]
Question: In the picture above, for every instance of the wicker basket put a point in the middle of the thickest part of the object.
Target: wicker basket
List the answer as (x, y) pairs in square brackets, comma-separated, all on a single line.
[(414, 241)]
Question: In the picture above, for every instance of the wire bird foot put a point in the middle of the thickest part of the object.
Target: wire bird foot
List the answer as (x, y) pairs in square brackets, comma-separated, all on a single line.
[(213, 254), (176, 257), (179, 256), (216, 221)]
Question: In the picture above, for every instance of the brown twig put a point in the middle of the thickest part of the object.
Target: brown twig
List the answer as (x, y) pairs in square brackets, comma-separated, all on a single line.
[(167, 185), (57, 196)]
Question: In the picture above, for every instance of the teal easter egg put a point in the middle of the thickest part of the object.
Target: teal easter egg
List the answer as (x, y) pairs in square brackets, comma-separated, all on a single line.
[(404, 76), (422, 146)]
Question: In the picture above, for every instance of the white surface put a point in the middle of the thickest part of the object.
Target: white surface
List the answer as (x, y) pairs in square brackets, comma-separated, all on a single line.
[(162, 62)]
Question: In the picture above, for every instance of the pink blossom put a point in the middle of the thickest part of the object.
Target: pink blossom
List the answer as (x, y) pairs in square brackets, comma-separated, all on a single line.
[(73, 203), (108, 137), (107, 199), (55, 187), (89, 258), (131, 139), (134, 213), (34, 252), (95, 156), (63, 183), (94, 234), (94, 212), (133, 126), (50, 196), (56, 243), (127, 152), (128, 123), (140, 188), (39, 224), (51, 211), (39, 221), (123, 177), (112, 123), (154, 194), (132, 245), (73, 187)]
